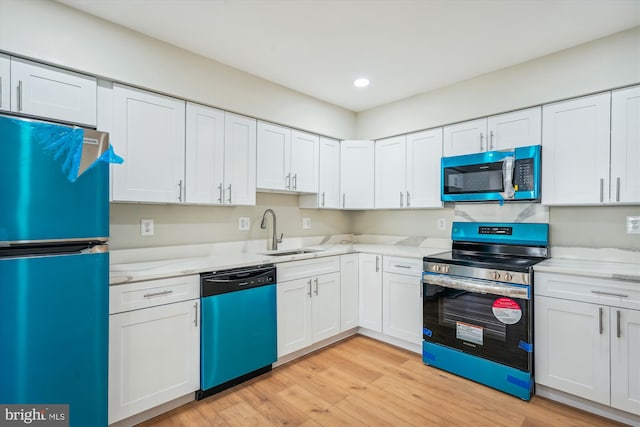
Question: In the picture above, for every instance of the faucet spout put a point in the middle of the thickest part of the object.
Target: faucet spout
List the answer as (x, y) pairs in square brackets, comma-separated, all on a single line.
[(274, 237)]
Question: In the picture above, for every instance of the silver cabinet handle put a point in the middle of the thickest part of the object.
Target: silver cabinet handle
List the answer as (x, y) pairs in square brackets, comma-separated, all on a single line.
[(612, 294), (401, 199), (220, 193), (180, 190), (229, 188), (316, 280), (323, 199), (618, 189), (344, 198), (309, 292), (601, 190), (195, 317), (157, 294), (288, 184), (600, 320), (421, 288), (295, 181), (408, 199), (618, 323), (377, 264), (491, 140), (481, 139), (19, 95), (402, 266)]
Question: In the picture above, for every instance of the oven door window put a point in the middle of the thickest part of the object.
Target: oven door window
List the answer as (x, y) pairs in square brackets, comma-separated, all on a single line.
[(482, 178), (490, 326)]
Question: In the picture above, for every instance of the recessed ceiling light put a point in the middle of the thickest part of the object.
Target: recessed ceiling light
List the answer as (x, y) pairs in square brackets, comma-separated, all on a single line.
[(361, 82)]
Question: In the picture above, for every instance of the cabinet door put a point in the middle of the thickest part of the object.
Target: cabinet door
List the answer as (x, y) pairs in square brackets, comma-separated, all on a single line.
[(43, 91), (294, 315), (402, 307), (625, 145), (357, 174), (329, 185), (304, 162), (424, 151), (465, 138), (370, 291), (154, 357), (575, 154), (348, 291), (204, 155), (325, 302), (5, 82), (148, 132), (572, 347), (390, 172), (274, 161), (520, 128), (625, 358), (239, 160)]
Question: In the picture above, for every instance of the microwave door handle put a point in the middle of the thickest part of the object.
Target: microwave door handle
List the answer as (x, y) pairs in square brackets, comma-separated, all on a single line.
[(508, 168)]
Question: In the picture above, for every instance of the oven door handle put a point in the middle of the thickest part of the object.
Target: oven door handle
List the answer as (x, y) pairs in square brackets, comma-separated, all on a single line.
[(478, 285)]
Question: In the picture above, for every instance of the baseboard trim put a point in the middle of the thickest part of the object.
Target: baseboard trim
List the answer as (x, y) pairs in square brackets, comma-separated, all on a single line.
[(155, 411)]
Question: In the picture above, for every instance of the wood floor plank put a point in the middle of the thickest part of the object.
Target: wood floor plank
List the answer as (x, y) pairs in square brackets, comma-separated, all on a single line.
[(278, 411), (243, 415)]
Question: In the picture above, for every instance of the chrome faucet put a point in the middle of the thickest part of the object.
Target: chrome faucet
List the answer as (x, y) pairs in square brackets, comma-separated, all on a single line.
[(274, 238)]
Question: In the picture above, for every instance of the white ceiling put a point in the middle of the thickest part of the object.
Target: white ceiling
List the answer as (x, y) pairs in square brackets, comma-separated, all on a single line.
[(404, 47)]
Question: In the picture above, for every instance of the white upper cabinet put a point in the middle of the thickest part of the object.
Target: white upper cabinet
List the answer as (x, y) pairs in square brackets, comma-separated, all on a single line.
[(500, 132), (357, 162), (148, 131), (287, 160), (575, 153), (48, 92), (328, 196), (5, 82), (625, 145), (407, 170), (239, 160)]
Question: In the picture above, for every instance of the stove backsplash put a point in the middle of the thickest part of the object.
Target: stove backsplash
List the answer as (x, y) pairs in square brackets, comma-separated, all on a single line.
[(494, 212)]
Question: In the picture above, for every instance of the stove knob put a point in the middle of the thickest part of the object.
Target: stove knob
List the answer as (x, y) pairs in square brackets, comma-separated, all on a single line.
[(508, 276), (447, 268), (436, 268), (495, 275)]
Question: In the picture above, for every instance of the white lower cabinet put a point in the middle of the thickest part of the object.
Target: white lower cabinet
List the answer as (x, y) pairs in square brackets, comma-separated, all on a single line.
[(154, 351), (587, 334), (348, 291), (402, 299), (370, 291), (309, 306)]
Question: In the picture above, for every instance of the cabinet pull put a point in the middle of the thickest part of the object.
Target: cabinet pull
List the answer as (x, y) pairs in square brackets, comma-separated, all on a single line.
[(288, 184), (229, 188), (601, 190), (316, 280), (344, 197), (309, 291), (408, 199), (618, 323), (157, 294), (195, 317), (491, 140), (180, 190), (295, 181), (618, 189), (600, 320), (19, 95), (401, 199), (481, 139), (612, 294), (421, 288), (402, 266), (220, 193), (377, 264), (323, 199)]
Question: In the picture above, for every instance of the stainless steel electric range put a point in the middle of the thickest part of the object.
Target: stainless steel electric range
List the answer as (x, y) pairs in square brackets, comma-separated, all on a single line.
[(478, 307)]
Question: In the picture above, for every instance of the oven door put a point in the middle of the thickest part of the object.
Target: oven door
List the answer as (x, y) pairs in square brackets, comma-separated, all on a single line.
[(488, 319)]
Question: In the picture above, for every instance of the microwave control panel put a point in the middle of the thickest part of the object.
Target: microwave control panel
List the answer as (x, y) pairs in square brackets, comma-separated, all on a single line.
[(523, 179)]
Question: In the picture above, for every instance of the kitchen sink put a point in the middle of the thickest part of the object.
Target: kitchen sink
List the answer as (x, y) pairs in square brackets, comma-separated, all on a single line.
[(283, 252)]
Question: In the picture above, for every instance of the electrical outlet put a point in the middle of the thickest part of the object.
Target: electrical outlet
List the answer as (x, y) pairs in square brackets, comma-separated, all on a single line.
[(146, 227), (306, 223), (442, 224), (633, 225), (244, 224)]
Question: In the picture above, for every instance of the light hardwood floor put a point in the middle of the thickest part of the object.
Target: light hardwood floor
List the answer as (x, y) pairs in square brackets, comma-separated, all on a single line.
[(363, 382)]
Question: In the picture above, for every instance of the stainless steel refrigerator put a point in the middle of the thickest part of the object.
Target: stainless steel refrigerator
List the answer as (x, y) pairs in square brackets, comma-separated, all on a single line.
[(54, 270)]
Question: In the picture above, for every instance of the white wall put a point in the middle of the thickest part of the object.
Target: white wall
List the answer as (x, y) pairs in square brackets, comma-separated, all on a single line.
[(603, 64), (57, 34)]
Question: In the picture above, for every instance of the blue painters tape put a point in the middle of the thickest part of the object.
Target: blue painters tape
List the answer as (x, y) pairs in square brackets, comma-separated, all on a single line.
[(525, 346), (427, 332), (520, 383), (429, 356)]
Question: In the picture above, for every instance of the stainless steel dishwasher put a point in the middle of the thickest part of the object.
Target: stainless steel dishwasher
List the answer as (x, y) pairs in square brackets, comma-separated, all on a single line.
[(238, 331)]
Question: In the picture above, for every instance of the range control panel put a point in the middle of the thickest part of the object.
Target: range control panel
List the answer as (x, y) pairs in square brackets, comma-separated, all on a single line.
[(508, 231)]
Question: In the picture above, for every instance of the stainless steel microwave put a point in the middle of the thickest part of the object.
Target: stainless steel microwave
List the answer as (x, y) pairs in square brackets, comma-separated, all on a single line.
[(492, 176)]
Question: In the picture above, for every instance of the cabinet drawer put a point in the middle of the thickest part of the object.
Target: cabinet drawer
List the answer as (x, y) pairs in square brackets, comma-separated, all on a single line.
[(408, 266), (307, 268), (134, 296), (616, 293)]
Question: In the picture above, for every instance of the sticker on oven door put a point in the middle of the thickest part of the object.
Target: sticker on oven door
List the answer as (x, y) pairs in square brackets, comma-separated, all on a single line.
[(507, 311), (470, 333)]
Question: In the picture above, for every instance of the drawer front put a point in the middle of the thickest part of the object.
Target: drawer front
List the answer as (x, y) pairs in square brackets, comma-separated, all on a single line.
[(134, 296), (307, 268), (407, 266), (615, 293)]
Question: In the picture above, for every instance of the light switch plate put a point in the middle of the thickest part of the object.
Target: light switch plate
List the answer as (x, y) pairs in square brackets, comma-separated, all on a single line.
[(244, 223), (146, 227), (633, 225), (442, 224), (306, 223)]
